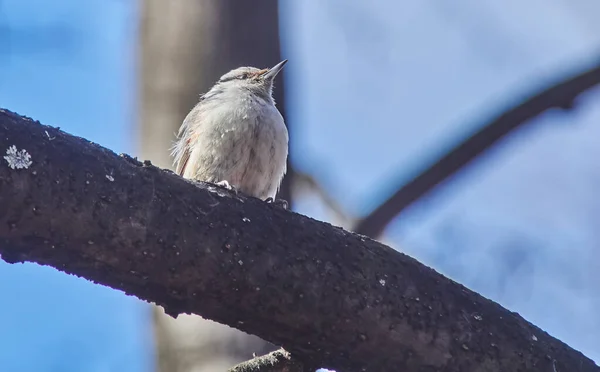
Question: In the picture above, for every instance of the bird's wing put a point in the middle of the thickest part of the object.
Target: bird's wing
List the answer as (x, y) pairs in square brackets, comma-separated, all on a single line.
[(182, 162), (186, 136)]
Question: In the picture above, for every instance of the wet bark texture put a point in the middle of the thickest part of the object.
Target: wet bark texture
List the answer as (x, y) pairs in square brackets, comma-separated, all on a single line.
[(331, 298)]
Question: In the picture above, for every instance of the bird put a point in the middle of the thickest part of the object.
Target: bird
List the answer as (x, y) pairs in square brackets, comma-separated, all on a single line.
[(235, 137)]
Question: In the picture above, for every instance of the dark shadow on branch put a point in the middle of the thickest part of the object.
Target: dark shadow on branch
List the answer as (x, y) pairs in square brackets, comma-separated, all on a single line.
[(560, 95), (331, 298)]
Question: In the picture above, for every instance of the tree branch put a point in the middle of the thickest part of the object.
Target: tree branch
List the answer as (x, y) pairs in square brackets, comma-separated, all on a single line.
[(331, 298), (559, 95)]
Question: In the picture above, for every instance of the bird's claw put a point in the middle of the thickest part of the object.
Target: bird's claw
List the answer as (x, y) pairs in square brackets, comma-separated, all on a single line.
[(226, 185), (280, 202)]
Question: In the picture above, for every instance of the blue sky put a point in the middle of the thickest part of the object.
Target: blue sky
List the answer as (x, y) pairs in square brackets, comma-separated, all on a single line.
[(376, 91)]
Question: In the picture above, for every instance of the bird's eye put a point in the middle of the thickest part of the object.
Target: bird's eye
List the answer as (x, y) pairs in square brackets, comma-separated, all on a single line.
[(243, 76)]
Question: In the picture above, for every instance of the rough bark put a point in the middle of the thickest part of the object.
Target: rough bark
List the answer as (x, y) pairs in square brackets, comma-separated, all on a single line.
[(560, 95), (331, 298)]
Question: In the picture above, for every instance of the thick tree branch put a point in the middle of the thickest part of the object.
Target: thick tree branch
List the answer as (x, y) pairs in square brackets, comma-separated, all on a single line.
[(559, 95), (331, 298)]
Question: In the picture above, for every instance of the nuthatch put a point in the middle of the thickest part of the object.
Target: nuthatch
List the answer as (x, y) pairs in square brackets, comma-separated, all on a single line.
[(235, 137)]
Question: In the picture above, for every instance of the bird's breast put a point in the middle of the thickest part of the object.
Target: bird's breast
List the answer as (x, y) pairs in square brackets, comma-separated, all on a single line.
[(258, 148)]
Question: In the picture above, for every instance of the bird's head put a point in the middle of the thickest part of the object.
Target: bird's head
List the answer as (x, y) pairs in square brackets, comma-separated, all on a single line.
[(257, 80)]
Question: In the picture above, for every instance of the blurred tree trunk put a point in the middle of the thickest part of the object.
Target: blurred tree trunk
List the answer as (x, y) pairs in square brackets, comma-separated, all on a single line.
[(185, 46)]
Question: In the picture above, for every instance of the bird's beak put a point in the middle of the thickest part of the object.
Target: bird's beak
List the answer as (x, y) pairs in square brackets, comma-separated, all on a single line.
[(273, 71)]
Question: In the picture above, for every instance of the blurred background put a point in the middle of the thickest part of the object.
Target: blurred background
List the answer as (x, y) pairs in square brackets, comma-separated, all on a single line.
[(373, 94)]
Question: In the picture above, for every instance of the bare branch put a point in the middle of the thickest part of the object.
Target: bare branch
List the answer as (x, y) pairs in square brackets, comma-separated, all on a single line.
[(560, 95), (331, 298)]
